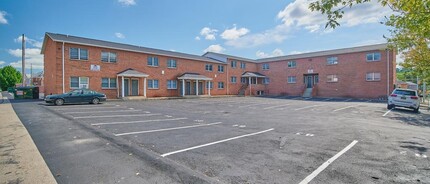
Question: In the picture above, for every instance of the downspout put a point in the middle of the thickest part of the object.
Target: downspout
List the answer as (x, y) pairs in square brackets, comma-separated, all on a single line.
[(388, 72), (62, 58), (227, 81)]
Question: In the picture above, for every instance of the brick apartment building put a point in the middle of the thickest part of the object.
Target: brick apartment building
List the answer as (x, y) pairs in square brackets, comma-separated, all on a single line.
[(121, 70)]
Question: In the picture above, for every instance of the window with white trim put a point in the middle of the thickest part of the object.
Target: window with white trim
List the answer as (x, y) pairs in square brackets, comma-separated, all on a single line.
[(79, 82), (208, 67), (109, 57), (376, 56), (242, 65), (266, 80), (332, 78), (220, 85), (373, 76), (233, 79), (332, 60), (152, 61), (78, 54), (292, 79), (171, 63), (172, 84), (292, 64), (221, 68), (233, 64), (108, 83), (152, 84), (265, 66)]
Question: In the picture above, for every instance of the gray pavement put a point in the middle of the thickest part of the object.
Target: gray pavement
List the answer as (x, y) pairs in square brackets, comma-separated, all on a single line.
[(231, 140)]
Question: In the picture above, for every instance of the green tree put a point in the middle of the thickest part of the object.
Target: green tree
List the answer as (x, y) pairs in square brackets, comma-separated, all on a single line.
[(409, 26), (9, 76)]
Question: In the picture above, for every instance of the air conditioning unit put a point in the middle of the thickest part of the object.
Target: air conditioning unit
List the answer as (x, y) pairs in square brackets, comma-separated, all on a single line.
[(83, 86)]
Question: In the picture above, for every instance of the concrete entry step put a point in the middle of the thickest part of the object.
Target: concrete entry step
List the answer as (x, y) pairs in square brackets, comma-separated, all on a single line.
[(307, 93)]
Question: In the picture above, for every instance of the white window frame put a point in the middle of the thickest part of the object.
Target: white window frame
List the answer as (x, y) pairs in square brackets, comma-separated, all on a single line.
[(209, 67), (242, 65), (233, 81), (220, 85), (169, 63), (109, 57), (170, 84), (373, 57), (265, 66), (291, 79), (266, 80), (290, 64), (152, 82), (80, 84), (373, 76), (233, 65), (333, 60), (332, 78), (152, 62), (109, 83), (79, 54), (221, 68)]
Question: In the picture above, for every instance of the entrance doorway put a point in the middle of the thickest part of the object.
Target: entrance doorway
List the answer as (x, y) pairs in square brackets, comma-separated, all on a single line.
[(310, 80), (126, 87), (134, 87)]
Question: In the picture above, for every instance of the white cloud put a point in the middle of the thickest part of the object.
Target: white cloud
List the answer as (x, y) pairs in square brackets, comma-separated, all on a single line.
[(29, 41), (276, 52), (197, 38), (2, 63), (208, 33), (127, 2), (32, 56), (120, 35), (215, 48), (234, 33), (275, 35), (3, 19)]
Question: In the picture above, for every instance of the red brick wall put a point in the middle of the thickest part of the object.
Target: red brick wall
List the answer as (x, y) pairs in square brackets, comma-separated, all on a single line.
[(50, 68), (234, 88)]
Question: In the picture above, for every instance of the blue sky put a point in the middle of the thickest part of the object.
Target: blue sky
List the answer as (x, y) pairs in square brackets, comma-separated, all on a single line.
[(246, 28)]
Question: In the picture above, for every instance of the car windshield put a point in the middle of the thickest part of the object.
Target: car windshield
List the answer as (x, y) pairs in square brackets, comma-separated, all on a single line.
[(404, 92)]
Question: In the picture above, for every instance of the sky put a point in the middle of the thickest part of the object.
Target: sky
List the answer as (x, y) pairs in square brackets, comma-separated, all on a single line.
[(246, 28)]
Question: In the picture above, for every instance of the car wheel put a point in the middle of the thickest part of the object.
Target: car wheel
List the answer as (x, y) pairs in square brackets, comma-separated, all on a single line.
[(416, 110), (59, 101), (95, 101), (390, 106)]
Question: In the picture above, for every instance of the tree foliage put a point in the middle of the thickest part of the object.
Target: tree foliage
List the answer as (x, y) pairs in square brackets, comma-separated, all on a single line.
[(409, 26), (9, 76)]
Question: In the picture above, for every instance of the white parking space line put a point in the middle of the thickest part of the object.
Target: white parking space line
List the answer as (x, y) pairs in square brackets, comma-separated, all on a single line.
[(308, 107), (271, 107), (347, 107), (101, 111), (349, 99), (144, 121), (112, 116), (327, 163), (216, 142), (250, 105), (167, 129), (387, 112)]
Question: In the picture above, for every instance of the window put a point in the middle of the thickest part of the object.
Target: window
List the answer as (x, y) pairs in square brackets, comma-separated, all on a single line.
[(332, 78), (109, 57), (233, 79), (172, 84), (253, 80), (79, 82), (208, 67), (109, 83), (373, 76), (376, 56), (233, 64), (332, 60), (171, 63), (78, 54), (292, 64), (220, 85), (221, 68), (152, 61), (266, 80), (265, 66), (242, 65), (243, 80), (209, 85), (152, 84), (292, 79)]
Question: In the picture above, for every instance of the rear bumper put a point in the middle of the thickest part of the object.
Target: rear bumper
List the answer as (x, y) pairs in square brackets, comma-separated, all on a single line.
[(407, 105)]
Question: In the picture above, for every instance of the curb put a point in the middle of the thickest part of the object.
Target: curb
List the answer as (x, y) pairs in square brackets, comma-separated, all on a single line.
[(21, 161)]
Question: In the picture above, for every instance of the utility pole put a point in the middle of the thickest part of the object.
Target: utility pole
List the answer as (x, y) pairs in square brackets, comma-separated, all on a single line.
[(23, 60), (31, 74)]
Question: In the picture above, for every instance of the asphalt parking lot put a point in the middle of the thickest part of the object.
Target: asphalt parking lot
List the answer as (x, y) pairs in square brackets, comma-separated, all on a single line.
[(263, 140)]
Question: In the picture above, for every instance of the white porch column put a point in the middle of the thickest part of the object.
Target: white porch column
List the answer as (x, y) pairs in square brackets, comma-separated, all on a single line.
[(122, 86), (256, 80), (144, 86), (117, 88), (197, 87), (183, 87), (249, 80), (209, 88)]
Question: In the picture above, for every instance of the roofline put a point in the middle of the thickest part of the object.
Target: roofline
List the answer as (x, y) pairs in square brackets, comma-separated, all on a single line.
[(326, 52), (230, 56), (94, 45)]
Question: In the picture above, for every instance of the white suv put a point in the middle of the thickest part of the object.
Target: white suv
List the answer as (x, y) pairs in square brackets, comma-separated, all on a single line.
[(404, 98)]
